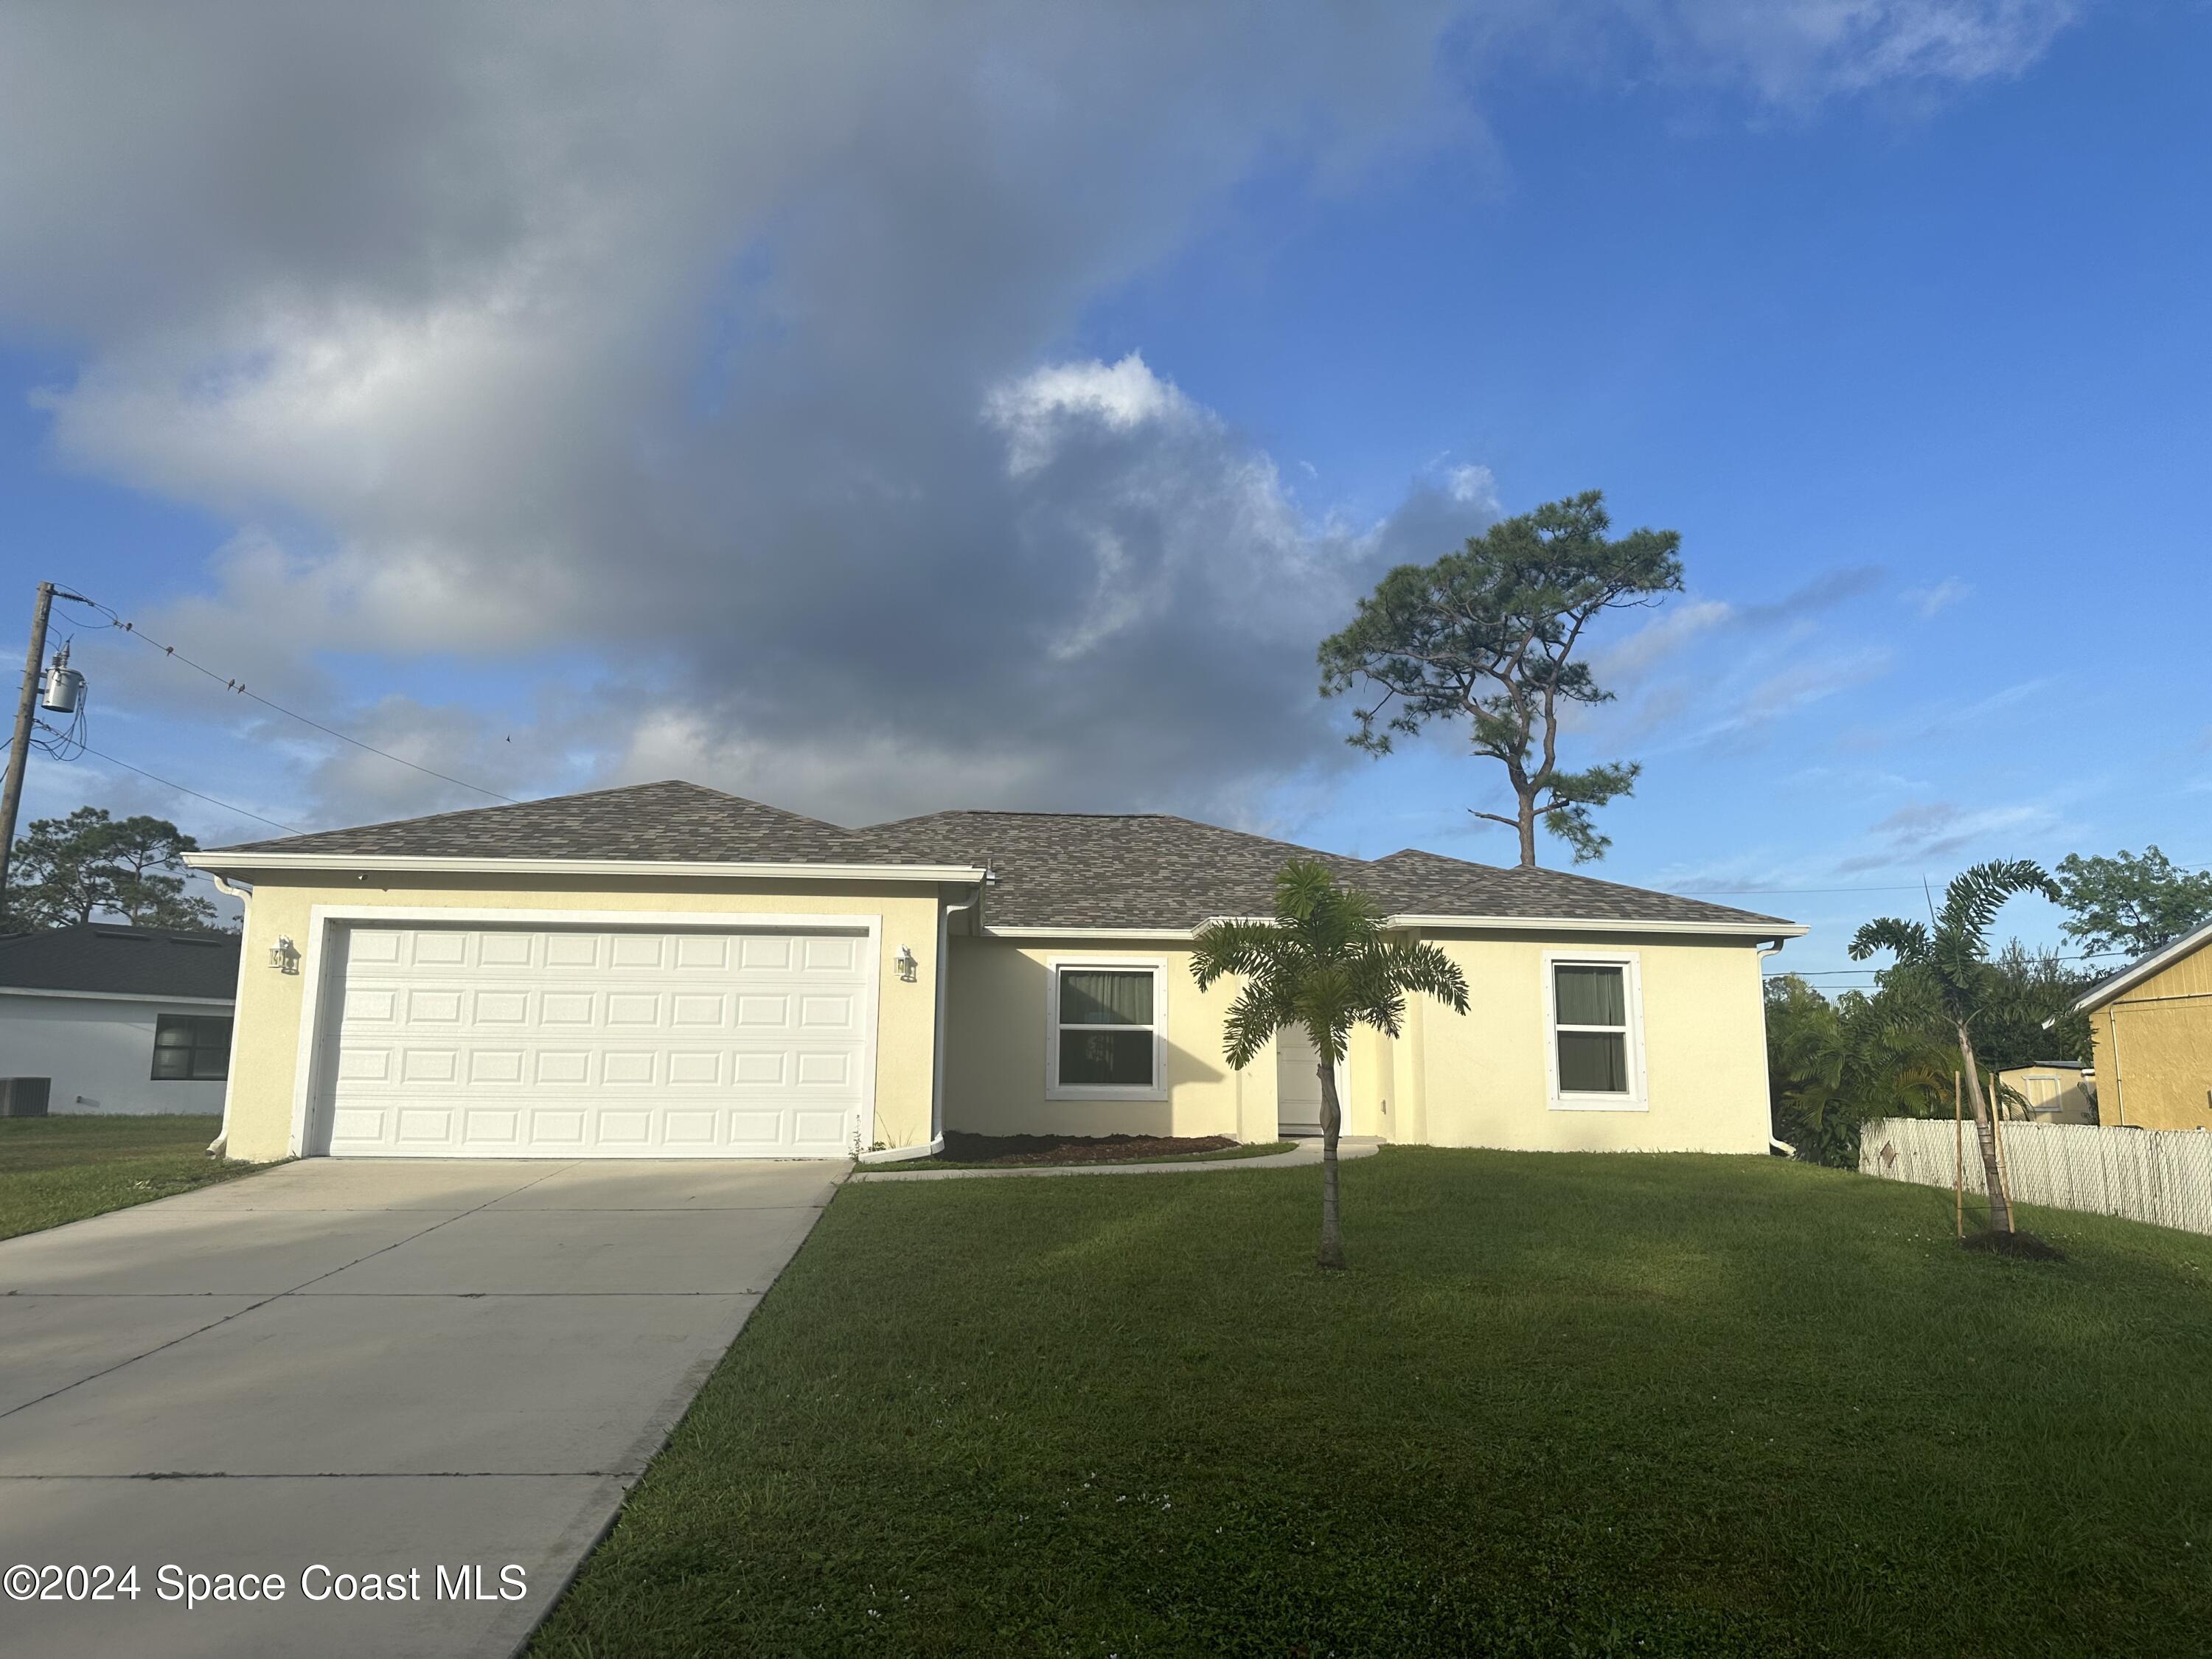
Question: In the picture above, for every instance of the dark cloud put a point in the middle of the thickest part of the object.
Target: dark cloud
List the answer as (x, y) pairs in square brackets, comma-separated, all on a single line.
[(673, 340)]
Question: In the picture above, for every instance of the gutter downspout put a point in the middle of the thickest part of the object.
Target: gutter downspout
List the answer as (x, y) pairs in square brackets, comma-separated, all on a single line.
[(1774, 1143), (900, 1154), (243, 892)]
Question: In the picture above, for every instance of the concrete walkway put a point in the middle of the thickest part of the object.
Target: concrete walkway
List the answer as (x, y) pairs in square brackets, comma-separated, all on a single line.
[(380, 1368), (1304, 1156)]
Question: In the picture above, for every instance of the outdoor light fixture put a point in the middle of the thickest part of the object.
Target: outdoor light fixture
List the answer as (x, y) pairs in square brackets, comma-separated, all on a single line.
[(285, 956), (906, 964)]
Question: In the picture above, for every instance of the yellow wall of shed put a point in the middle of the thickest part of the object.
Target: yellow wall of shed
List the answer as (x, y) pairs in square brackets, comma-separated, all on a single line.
[(2154, 1049)]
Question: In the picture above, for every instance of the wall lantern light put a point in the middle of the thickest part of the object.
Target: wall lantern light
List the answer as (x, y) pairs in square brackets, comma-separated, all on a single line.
[(906, 964), (285, 956)]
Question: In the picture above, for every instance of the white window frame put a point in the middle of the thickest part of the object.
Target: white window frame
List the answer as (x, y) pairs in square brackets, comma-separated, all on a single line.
[(1158, 1089), (1637, 1099)]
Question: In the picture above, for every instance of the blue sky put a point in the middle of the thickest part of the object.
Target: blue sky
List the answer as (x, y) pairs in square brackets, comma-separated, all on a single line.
[(1014, 451)]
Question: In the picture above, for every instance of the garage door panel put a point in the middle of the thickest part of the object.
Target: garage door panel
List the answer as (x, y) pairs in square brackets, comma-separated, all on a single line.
[(507, 950), (490, 1041)]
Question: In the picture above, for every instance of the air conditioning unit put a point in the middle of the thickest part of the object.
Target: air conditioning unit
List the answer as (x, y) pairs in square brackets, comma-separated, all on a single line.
[(24, 1097)]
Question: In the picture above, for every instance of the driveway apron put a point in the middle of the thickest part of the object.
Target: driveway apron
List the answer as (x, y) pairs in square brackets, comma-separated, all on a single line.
[(409, 1395)]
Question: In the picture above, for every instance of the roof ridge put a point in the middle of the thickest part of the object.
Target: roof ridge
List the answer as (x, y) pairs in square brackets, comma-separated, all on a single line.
[(719, 797), (502, 806), (1009, 812)]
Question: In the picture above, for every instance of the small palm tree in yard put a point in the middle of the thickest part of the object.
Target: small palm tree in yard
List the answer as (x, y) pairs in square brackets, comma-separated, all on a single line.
[(1947, 971), (1324, 964)]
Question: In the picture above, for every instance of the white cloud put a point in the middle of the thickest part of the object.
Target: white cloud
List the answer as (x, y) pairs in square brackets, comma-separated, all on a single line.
[(1706, 670), (1789, 51), (1922, 831), (1938, 596), (1623, 665), (1036, 411), (1474, 486)]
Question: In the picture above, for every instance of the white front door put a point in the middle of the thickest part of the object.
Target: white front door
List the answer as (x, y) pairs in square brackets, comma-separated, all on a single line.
[(1298, 1085), (490, 1042)]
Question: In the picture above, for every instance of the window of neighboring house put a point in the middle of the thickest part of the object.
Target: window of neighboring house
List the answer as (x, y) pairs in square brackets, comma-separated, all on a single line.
[(1106, 1031), (1597, 1059), (190, 1049)]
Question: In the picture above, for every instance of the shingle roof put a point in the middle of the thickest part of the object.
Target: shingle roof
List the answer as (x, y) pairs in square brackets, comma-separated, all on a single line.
[(1055, 869), (671, 821), (1414, 883), (123, 961), (1080, 870)]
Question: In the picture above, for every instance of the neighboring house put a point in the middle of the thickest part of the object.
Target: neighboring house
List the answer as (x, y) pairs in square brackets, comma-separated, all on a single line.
[(2152, 1022), (2055, 1090), (121, 1019), (669, 971)]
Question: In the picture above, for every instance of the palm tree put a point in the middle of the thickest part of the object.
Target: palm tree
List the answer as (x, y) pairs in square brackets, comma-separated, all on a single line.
[(1323, 965), (1949, 968)]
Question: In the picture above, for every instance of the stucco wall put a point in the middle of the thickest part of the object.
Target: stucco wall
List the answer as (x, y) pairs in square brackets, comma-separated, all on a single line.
[(2154, 1057), (996, 1043), (1481, 1079), (99, 1053), (1476, 1080), (265, 1064)]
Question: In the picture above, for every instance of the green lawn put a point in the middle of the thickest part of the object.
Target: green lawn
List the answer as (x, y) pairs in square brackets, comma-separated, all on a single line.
[(1224, 1155), (54, 1170), (1559, 1405)]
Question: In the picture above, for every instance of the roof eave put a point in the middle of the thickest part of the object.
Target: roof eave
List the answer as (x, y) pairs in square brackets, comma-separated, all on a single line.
[(1750, 927), (163, 997), (1485, 924), (2111, 989), (246, 863)]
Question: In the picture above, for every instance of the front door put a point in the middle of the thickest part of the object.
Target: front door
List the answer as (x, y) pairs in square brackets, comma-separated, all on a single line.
[(1298, 1087)]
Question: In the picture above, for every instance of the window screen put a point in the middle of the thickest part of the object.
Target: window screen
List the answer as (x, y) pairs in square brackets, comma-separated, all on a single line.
[(190, 1049), (1589, 1002), (1105, 1028)]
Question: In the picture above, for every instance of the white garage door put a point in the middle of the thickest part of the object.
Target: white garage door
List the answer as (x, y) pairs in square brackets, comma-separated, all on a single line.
[(502, 1042)]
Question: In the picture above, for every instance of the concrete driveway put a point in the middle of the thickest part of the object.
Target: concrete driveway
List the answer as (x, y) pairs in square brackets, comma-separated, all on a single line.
[(379, 1369)]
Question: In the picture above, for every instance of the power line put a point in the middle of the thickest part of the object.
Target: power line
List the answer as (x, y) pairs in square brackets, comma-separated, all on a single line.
[(1869, 973), (1902, 887), (165, 783), (1687, 892), (238, 686)]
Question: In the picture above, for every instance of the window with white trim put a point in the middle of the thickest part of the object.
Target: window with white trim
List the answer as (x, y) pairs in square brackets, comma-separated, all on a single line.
[(1596, 1058), (1107, 1019)]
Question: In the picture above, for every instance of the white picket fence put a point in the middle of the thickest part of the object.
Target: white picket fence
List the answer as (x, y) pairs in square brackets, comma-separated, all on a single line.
[(2161, 1176)]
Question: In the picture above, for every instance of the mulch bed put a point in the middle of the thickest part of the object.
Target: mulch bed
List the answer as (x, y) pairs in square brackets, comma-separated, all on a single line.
[(2026, 1247), (1075, 1149)]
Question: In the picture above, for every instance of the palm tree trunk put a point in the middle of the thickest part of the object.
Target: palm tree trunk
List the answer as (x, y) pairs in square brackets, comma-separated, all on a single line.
[(1332, 1118), (1985, 1136)]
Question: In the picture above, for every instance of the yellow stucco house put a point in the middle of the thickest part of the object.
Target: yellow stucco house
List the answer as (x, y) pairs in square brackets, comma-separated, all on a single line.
[(669, 971), (2152, 1022)]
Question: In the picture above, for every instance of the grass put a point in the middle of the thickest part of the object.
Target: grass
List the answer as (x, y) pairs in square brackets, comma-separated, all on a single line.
[(54, 1170), (1220, 1155), (1558, 1405)]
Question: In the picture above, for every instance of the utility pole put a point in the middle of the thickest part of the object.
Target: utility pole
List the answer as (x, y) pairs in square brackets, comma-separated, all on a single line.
[(18, 751)]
